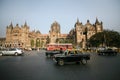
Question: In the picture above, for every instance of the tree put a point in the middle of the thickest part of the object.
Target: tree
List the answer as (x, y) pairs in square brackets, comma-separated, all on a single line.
[(60, 40), (32, 43), (41, 44), (37, 43), (47, 40), (96, 40), (105, 38), (63, 40), (57, 40), (112, 38)]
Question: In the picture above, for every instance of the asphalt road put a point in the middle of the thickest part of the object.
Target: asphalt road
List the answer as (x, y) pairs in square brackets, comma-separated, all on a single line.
[(35, 66)]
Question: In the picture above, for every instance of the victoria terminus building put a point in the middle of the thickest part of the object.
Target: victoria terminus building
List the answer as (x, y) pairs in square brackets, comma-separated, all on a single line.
[(21, 36)]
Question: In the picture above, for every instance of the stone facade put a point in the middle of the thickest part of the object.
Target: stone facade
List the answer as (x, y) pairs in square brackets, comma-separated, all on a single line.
[(22, 37), (54, 32), (17, 36), (82, 33), (2, 42)]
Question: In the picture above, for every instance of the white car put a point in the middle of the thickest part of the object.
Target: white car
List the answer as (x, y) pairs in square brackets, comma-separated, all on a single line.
[(11, 51)]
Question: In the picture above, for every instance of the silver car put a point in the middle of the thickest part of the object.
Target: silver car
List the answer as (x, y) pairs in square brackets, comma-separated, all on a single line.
[(11, 51)]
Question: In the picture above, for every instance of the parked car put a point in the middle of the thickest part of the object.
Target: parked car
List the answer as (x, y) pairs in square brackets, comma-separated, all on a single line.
[(52, 53), (71, 56), (101, 49), (107, 52), (11, 51)]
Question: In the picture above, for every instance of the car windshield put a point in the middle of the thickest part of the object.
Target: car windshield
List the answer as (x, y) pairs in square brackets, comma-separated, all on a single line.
[(12, 49), (4, 49), (72, 52), (18, 48)]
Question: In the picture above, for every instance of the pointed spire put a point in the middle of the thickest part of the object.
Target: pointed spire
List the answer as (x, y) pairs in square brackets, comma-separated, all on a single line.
[(7, 27), (96, 19), (97, 22), (77, 23), (25, 23), (55, 21), (101, 22), (11, 24), (77, 20)]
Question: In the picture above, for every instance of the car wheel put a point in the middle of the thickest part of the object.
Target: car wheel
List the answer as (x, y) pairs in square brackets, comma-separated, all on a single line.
[(48, 55), (99, 53), (16, 54), (61, 62), (84, 61), (103, 54), (115, 54), (1, 54), (77, 62)]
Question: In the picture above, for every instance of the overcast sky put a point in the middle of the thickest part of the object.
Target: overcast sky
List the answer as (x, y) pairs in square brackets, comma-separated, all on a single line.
[(40, 14)]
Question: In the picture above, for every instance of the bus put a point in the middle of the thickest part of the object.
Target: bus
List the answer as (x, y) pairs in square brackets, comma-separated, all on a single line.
[(59, 46)]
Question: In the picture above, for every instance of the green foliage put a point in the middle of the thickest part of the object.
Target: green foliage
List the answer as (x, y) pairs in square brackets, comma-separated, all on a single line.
[(41, 44), (105, 38), (32, 43), (62, 40), (47, 40), (37, 43)]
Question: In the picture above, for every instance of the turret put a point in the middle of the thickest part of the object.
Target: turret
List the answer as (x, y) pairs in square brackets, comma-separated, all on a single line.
[(10, 26), (25, 25), (9, 32), (88, 25), (98, 26), (97, 22), (77, 23)]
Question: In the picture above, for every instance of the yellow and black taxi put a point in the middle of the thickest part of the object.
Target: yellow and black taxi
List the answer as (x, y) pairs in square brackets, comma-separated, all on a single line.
[(71, 56)]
